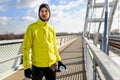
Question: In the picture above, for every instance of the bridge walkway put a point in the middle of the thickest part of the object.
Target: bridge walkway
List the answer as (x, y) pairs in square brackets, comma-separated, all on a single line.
[(72, 57)]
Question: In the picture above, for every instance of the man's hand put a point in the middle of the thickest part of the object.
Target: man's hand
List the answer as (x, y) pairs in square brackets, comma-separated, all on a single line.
[(28, 73), (60, 64)]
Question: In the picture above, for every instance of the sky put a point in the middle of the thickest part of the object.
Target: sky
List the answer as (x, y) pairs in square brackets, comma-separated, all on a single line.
[(66, 15)]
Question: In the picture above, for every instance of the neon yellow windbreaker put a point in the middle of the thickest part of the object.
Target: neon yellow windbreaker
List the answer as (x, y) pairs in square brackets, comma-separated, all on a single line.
[(40, 37)]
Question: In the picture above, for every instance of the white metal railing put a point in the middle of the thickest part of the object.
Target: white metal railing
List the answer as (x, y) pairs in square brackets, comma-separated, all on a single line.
[(98, 65), (11, 55)]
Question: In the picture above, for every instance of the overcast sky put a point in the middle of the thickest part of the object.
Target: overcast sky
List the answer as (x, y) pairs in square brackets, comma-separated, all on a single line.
[(67, 15)]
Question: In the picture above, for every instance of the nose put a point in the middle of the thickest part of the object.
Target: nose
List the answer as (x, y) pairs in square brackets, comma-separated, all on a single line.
[(44, 12)]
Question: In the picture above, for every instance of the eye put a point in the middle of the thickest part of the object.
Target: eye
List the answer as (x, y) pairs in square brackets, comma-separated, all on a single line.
[(41, 11), (46, 11)]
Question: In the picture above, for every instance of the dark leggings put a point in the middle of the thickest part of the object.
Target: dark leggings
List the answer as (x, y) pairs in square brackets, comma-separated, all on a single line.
[(39, 72)]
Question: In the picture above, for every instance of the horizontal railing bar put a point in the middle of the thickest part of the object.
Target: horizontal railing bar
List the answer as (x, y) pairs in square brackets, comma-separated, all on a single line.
[(110, 69), (9, 42)]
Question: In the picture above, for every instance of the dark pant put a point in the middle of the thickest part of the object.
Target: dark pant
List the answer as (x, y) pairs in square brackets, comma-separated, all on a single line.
[(39, 72)]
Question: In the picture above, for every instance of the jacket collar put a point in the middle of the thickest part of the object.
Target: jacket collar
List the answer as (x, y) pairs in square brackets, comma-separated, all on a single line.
[(42, 23)]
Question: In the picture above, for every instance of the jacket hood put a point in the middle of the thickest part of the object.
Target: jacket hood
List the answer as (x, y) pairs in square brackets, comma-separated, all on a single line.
[(42, 6)]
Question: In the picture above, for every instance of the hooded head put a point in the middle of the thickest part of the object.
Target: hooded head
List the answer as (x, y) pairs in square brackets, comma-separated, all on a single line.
[(41, 14)]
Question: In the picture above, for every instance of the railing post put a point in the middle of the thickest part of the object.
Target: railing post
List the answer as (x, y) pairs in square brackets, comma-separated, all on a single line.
[(60, 41)]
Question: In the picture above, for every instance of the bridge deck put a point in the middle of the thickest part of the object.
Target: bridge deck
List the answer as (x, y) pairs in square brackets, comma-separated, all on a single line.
[(72, 57)]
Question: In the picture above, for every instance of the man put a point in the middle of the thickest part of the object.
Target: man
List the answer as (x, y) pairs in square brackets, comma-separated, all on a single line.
[(40, 37)]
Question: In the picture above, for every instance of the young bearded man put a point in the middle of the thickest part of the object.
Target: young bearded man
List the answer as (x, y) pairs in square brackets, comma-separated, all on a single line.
[(40, 37)]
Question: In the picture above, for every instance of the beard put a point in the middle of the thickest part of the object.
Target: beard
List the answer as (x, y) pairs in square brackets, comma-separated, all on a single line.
[(43, 18)]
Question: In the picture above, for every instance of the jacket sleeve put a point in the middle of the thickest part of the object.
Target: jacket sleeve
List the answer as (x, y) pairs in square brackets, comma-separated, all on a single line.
[(27, 42), (55, 48)]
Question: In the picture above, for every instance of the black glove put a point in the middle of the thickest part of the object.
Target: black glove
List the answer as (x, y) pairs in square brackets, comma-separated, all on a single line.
[(28, 73), (60, 64)]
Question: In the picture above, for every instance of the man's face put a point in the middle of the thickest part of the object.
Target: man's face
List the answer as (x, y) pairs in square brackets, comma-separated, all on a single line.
[(44, 14)]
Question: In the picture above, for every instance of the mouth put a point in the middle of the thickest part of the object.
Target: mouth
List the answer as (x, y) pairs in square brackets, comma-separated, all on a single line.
[(43, 16)]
